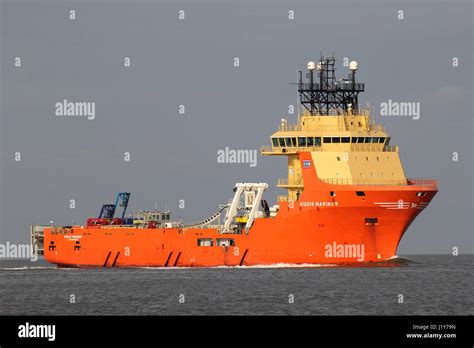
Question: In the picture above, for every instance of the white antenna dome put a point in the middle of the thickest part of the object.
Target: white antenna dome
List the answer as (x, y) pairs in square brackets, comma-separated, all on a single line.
[(353, 65), (311, 65)]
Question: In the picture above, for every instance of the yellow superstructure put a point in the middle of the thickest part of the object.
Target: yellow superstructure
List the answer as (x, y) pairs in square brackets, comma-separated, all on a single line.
[(345, 149)]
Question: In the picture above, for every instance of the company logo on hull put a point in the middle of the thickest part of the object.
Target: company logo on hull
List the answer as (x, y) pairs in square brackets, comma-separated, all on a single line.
[(306, 164), (400, 204)]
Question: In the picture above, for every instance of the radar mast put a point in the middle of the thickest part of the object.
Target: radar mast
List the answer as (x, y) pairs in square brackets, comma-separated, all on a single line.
[(323, 94)]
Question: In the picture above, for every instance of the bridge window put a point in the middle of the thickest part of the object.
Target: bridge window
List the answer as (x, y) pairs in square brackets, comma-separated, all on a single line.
[(387, 141), (317, 141), (368, 140), (301, 141), (360, 140), (282, 142), (225, 242), (293, 141), (288, 142), (326, 140), (275, 142), (205, 242), (345, 140), (336, 140), (381, 140), (310, 141)]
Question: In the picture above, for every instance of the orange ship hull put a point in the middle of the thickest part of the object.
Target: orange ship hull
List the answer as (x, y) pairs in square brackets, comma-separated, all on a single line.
[(316, 229)]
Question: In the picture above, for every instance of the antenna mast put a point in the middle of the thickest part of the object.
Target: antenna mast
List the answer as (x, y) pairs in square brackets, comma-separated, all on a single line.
[(298, 100), (327, 95)]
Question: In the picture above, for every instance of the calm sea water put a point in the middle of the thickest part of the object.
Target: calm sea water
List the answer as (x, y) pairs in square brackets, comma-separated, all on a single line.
[(430, 284)]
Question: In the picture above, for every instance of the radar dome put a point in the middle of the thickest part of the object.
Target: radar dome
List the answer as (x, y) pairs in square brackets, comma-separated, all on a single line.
[(353, 65)]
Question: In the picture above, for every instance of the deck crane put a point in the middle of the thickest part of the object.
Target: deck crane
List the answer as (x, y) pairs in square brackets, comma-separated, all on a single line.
[(107, 212)]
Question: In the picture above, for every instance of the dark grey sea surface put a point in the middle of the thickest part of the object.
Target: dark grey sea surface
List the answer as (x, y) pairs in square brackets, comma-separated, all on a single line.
[(429, 284)]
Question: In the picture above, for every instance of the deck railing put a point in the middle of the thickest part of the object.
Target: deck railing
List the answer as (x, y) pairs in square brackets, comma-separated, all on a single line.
[(284, 182), (423, 182), (341, 126), (372, 148), (383, 182), (332, 112), (353, 148), (282, 198), (375, 182)]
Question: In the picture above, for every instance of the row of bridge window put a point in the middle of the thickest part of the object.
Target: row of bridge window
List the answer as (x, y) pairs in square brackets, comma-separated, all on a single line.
[(316, 141)]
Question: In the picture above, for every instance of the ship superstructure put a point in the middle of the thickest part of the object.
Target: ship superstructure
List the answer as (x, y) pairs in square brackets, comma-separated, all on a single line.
[(348, 199), (345, 145)]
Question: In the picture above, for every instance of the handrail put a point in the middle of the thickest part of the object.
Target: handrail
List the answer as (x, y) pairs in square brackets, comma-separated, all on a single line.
[(354, 148), (338, 85), (284, 182), (282, 198), (341, 126), (386, 182), (289, 128), (371, 148), (375, 182), (423, 182)]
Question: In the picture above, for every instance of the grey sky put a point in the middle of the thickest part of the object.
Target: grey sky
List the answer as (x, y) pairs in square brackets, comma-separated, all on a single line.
[(190, 62)]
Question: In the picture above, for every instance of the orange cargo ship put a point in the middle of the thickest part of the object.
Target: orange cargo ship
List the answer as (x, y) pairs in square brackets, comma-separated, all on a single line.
[(348, 200)]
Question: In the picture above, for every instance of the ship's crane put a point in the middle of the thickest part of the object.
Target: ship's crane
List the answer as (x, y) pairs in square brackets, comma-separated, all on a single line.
[(252, 196), (122, 201), (107, 212)]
